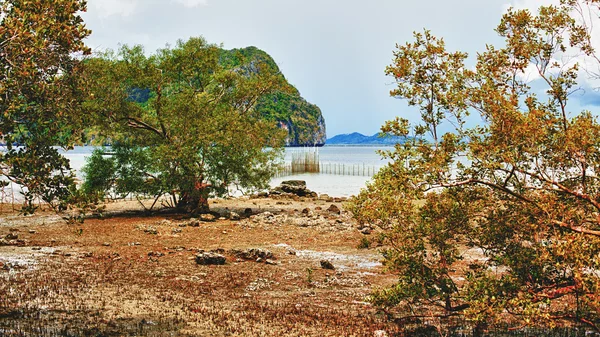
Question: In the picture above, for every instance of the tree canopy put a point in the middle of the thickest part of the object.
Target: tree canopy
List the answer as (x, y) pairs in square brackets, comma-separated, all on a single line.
[(40, 94), (182, 122), (497, 222)]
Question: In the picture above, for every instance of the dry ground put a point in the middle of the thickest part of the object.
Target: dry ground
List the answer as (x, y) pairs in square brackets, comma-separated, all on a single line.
[(113, 277)]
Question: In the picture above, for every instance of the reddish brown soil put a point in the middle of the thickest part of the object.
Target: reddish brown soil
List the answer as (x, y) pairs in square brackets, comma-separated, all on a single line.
[(108, 277)]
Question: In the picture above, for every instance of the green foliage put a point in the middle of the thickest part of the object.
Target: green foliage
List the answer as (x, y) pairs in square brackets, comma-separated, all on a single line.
[(40, 94), (197, 133), (364, 243), (303, 120), (99, 173), (500, 221)]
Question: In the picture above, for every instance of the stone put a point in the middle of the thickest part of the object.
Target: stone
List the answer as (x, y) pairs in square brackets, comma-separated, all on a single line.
[(155, 254), (306, 211), (31, 231), (176, 230), (207, 217), (295, 183), (253, 254), (334, 209), (210, 258), (271, 262), (151, 230), (327, 265), (194, 223), (165, 222), (234, 216), (324, 197), (11, 236), (293, 188), (366, 231), (248, 211), (106, 244)]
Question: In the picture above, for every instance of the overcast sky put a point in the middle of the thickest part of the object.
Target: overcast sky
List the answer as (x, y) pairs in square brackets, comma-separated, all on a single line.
[(334, 51)]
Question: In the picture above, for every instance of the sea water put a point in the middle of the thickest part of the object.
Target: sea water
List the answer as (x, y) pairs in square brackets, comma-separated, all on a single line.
[(334, 185)]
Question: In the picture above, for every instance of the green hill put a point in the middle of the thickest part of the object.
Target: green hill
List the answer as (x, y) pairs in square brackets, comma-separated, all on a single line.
[(303, 120)]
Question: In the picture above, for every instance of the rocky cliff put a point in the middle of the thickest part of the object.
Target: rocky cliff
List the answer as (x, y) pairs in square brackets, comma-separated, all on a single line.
[(302, 120)]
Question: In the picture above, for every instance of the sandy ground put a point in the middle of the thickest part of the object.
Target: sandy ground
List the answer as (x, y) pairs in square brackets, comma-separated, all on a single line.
[(128, 274)]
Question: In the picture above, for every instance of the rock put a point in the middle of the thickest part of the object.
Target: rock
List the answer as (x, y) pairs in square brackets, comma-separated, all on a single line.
[(165, 222), (271, 262), (207, 217), (194, 223), (155, 254), (324, 197), (294, 183), (209, 258), (306, 211), (253, 254), (327, 265), (31, 231), (11, 236), (176, 230), (248, 211), (106, 244), (334, 209), (366, 231), (234, 216), (151, 230), (293, 188)]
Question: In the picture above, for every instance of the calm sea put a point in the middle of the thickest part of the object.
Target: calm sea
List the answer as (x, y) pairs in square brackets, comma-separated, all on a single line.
[(331, 184)]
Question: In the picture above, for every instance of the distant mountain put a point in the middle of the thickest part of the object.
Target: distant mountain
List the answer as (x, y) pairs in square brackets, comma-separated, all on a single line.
[(356, 138)]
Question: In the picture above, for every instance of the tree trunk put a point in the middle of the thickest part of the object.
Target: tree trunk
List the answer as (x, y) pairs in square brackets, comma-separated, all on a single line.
[(194, 200)]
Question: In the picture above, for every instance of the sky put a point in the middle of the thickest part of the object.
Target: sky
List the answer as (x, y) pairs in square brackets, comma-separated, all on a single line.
[(334, 51)]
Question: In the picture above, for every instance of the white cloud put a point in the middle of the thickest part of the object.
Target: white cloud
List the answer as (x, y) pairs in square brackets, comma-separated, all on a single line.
[(192, 3), (107, 8)]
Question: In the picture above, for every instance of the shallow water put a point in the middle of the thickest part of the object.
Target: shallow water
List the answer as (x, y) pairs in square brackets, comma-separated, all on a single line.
[(331, 184), (340, 261)]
